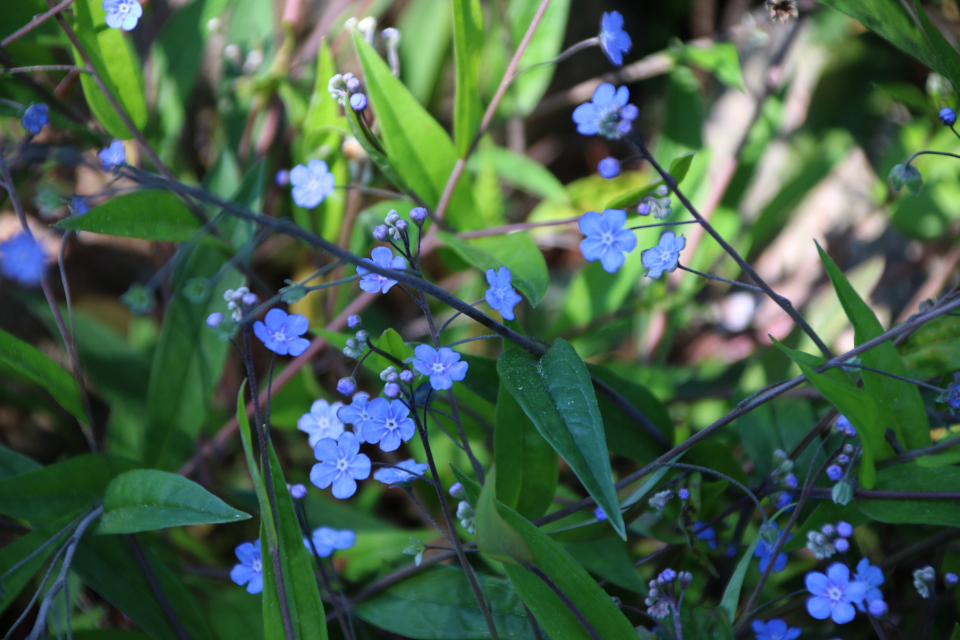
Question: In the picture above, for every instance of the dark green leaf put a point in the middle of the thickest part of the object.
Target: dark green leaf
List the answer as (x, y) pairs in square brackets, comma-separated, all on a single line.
[(624, 436), (731, 595), (467, 43), (495, 537), (148, 215), (914, 477), (518, 252), (13, 463), (933, 349), (945, 53), (15, 552), (609, 559), (28, 363)]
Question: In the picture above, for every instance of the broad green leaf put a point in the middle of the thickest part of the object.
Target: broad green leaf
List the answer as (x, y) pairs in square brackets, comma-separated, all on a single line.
[(29, 363), (467, 43), (13, 463), (146, 499), (610, 559), (624, 436), (945, 53), (61, 489), (519, 171), (437, 604), (518, 252), (913, 477), (702, 622), (528, 88), (557, 395), (899, 401), (151, 214), (495, 537), (375, 150), (678, 169), (16, 551), (415, 144), (780, 424), (427, 23), (115, 62), (527, 466), (323, 113), (731, 595), (720, 59), (483, 378), (956, 632), (933, 349), (391, 342)]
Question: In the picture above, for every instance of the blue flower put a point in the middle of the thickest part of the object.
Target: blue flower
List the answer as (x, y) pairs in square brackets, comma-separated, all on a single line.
[(281, 333), (501, 296), (607, 240), (356, 413), (613, 39), (78, 206), (953, 393), (358, 102), (443, 367), (341, 464), (665, 256), (608, 114), (834, 472), (389, 423), (764, 551), (599, 514), (321, 422), (871, 578), (776, 629), (383, 258), (113, 156), (833, 594), (844, 427), (948, 116), (250, 570), (325, 540), (34, 118), (23, 259), (122, 14), (311, 183), (392, 476), (707, 534), (609, 168)]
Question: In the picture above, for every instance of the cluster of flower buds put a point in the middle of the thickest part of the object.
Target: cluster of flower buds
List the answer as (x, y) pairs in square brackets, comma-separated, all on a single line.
[(465, 512), (392, 378), (845, 428), (356, 345), (836, 470), (239, 301), (783, 473), (924, 581), (366, 26), (661, 595), (830, 539), (659, 500), (657, 203), (393, 227), (345, 89)]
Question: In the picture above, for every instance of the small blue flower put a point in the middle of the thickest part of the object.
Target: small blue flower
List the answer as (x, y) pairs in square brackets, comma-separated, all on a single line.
[(122, 14), (346, 386), (613, 39), (784, 500), (383, 258), (501, 296), (764, 551), (311, 183), (775, 629), (35, 118), (665, 256), (953, 393), (948, 116), (113, 156), (250, 570), (23, 259), (443, 367), (326, 540), (608, 114), (844, 427), (845, 529), (607, 240), (707, 534), (321, 422), (871, 578), (281, 333), (609, 168), (834, 472), (356, 414), (395, 477), (600, 514), (341, 464), (833, 594), (78, 206), (214, 319), (389, 424)]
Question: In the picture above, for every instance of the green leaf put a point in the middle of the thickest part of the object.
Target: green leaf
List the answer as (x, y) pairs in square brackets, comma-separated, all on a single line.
[(678, 169), (146, 499), (946, 55), (29, 363), (720, 59), (13, 463), (624, 436), (898, 401), (956, 632), (151, 214), (437, 604), (933, 349), (14, 552), (391, 342), (914, 477), (495, 537), (519, 171), (608, 558), (426, 22), (323, 113), (731, 595), (467, 43), (61, 489), (115, 62), (529, 87), (557, 395), (518, 252)]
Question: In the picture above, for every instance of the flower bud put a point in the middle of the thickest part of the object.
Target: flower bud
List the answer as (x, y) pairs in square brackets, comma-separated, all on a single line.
[(684, 494), (418, 215), (380, 233), (456, 490), (362, 337), (346, 386), (406, 376), (948, 116), (391, 36), (352, 84), (282, 178), (790, 481), (250, 300), (298, 492), (391, 390), (609, 168), (353, 321), (358, 101), (834, 472), (685, 578), (950, 579), (401, 225), (841, 545), (844, 529)]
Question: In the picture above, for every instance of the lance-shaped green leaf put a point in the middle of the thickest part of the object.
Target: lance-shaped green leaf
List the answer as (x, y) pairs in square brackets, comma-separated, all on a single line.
[(557, 395), (13, 553), (495, 537), (529, 87), (518, 252), (914, 477), (731, 595), (26, 362), (467, 44), (945, 53), (150, 214), (147, 499)]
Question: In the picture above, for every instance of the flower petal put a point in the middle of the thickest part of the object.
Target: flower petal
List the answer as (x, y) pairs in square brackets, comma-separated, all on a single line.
[(819, 607)]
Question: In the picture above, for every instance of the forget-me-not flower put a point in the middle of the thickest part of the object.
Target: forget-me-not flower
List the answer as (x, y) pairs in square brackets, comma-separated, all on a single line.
[(613, 39), (389, 424), (326, 540), (78, 206), (501, 295), (764, 551), (23, 259), (953, 393), (35, 117), (707, 534), (665, 256), (833, 594), (607, 114), (341, 465), (321, 422), (871, 578), (393, 476), (112, 156), (250, 570), (382, 257), (356, 413), (281, 333), (775, 629), (444, 367), (122, 14), (311, 183), (607, 240)]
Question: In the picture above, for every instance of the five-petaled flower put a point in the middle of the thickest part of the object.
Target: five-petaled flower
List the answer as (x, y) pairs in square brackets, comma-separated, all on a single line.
[(764, 550), (608, 113), (443, 367), (393, 476), (281, 333), (311, 183), (665, 256), (389, 424), (341, 465), (382, 257), (607, 240), (23, 259), (833, 594), (250, 570), (321, 422), (775, 629), (112, 156), (871, 578), (356, 413), (613, 39), (501, 295), (35, 117), (326, 540), (705, 533), (122, 14)]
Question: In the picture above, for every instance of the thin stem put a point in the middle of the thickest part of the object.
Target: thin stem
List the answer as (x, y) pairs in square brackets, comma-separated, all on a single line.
[(35, 22), (156, 590), (519, 226), (662, 224), (713, 277), (455, 442), (931, 153), (43, 546), (474, 339), (426, 514), (567, 601), (925, 385), (45, 67), (918, 453), (455, 316), (580, 46)]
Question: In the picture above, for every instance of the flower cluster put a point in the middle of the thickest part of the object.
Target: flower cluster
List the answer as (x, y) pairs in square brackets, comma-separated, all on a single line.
[(662, 596), (326, 540), (924, 581), (658, 203), (844, 427), (607, 114), (660, 499), (830, 539), (770, 536), (312, 184), (281, 332), (23, 259), (346, 89), (834, 595), (393, 227)]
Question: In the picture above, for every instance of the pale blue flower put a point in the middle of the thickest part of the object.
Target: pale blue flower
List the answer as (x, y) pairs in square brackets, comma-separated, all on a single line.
[(501, 296), (113, 155), (35, 118), (607, 240), (281, 332), (833, 594), (356, 413), (871, 578), (764, 551), (326, 540), (613, 39), (383, 258), (311, 183), (321, 422), (122, 14), (444, 367), (389, 424), (608, 113), (393, 476), (665, 256), (23, 259), (775, 629), (341, 465), (250, 570)]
